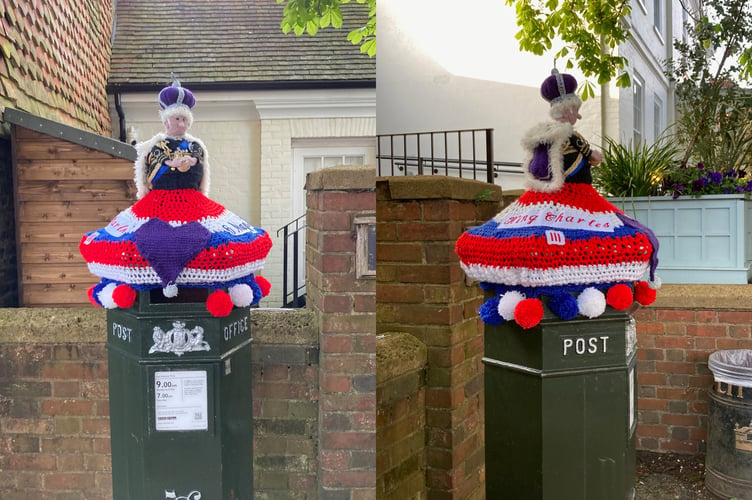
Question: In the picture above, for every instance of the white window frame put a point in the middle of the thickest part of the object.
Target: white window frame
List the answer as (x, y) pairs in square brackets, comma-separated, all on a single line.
[(638, 109), (658, 17), (658, 118)]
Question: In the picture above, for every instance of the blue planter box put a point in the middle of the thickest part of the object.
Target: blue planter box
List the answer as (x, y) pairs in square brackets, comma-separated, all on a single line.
[(703, 240)]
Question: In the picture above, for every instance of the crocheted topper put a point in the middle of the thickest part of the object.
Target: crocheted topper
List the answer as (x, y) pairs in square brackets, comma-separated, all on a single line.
[(176, 96), (558, 86)]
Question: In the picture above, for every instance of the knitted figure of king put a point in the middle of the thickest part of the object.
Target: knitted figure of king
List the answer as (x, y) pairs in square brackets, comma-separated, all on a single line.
[(561, 245), (174, 236)]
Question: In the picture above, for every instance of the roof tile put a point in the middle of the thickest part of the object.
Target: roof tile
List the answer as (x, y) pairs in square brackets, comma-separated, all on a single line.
[(216, 41)]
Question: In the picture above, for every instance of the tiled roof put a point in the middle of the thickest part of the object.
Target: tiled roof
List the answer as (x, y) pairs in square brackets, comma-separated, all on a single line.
[(230, 42), (54, 57)]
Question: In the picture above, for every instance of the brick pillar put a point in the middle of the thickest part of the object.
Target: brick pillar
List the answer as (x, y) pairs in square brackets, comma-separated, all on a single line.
[(421, 290), (345, 305)]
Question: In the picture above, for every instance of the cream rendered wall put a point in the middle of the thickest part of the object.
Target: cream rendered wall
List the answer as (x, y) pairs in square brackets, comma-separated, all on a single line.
[(249, 136)]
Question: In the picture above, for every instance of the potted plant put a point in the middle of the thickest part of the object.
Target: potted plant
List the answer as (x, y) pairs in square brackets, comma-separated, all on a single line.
[(701, 216)]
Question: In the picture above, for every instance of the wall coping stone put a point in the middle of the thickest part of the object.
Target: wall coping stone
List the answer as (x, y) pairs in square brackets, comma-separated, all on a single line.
[(428, 187), (58, 325), (342, 178), (398, 353), (704, 296)]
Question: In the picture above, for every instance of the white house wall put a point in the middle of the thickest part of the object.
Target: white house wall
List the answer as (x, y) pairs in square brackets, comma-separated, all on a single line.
[(419, 89), (277, 139)]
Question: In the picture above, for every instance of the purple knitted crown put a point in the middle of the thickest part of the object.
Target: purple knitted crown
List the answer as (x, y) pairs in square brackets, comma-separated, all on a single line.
[(557, 86), (175, 95)]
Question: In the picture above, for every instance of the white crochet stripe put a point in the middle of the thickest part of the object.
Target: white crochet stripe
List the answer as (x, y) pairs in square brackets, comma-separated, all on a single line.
[(147, 275), (559, 276), (126, 222), (123, 223), (556, 215)]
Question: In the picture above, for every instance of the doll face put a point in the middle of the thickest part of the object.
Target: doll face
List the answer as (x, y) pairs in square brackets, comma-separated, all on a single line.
[(571, 115), (176, 125)]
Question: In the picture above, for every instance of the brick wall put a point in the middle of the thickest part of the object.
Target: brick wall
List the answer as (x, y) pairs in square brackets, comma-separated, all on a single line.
[(422, 291), (675, 337), (56, 59), (345, 308), (285, 403), (54, 410), (401, 417)]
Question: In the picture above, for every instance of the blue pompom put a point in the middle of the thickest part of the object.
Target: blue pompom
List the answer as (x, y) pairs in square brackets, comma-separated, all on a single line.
[(489, 312), (564, 306)]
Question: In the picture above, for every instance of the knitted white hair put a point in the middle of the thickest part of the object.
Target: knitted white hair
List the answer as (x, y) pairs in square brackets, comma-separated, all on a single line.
[(554, 134), (144, 148), (562, 104)]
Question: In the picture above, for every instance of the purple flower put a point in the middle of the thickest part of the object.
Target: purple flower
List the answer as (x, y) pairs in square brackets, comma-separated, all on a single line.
[(716, 177), (683, 165), (739, 189), (700, 166)]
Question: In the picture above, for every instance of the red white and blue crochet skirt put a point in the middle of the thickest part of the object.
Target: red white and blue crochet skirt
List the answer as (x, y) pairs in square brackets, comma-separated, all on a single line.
[(176, 238), (571, 246)]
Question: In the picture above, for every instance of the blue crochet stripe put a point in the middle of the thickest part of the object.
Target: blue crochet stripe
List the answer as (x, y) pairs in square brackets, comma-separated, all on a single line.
[(218, 238), (533, 292), (247, 280), (491, 230)]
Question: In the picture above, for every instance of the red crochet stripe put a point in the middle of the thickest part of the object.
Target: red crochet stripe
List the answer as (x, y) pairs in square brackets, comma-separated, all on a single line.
[(184, 205), (535, 253), (577, 195), (125, 254)]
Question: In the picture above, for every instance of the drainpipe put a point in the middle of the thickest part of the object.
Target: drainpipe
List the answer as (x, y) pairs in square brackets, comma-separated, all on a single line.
[(121, 115), (605, 94)]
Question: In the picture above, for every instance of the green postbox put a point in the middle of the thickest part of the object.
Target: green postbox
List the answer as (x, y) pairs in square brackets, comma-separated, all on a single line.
[(560, 409), (180, 400)]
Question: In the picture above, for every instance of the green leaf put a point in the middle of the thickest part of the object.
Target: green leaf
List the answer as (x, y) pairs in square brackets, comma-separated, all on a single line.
[(312, 27), (336, 18)]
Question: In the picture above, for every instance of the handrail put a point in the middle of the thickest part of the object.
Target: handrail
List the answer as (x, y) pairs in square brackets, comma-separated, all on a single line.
[(297, 298)]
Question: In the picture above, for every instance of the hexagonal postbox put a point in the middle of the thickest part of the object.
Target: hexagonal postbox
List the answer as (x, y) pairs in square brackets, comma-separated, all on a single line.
[(180, 400), (560, 409)]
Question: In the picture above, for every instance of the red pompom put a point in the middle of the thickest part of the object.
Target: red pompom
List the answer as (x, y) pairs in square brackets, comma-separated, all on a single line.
[(124, 296), (264, 285), (219, 304), (644, 294), (92, 297), (528, 313), (619, 297)]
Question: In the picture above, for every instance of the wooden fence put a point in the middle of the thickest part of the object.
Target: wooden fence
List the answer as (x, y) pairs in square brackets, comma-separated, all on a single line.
[(66, 182)]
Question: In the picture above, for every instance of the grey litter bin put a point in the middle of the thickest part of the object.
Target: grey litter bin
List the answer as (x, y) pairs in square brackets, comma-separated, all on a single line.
[(728, 461)]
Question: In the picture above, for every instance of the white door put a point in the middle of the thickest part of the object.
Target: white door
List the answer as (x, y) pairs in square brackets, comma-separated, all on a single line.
[(305, 161)]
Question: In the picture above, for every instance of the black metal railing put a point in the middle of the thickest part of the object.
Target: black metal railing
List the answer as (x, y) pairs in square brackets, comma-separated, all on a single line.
[(465, 153), (460, 153), (293, 292)]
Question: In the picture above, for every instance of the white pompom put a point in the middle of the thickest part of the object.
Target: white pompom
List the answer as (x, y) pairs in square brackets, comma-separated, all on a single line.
[(508, 302), (105, 296), (241, 295), (591, 302), (656, 284), (170, 291)]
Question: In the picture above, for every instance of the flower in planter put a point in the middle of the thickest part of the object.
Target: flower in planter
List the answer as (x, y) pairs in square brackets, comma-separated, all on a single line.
[(698, 180)]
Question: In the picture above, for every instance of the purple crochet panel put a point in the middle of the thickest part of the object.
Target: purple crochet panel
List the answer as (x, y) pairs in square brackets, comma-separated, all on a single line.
[(168, 249)]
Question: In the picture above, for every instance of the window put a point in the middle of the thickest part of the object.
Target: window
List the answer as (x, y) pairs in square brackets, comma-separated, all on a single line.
[(638, 100), (658, 16), (658, 119)]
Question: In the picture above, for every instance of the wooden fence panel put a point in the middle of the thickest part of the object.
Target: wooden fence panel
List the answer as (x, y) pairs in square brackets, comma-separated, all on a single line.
[(62, 191)]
